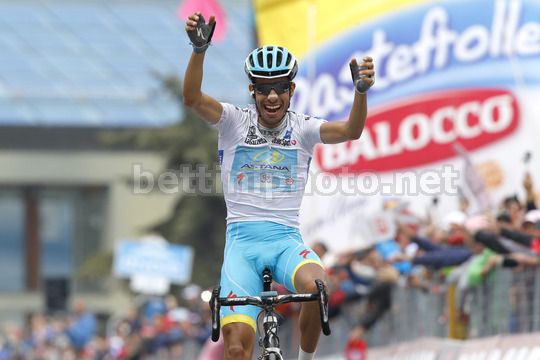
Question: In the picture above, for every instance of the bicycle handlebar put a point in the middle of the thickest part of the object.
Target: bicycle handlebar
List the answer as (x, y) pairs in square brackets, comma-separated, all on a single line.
[(263, 301)]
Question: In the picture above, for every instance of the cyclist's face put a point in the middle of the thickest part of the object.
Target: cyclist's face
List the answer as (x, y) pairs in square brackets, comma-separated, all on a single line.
[(272, 98)]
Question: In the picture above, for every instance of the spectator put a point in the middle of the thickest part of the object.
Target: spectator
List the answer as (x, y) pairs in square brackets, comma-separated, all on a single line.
[(437, 256), (376, 279), (83, 326), (320, 249)]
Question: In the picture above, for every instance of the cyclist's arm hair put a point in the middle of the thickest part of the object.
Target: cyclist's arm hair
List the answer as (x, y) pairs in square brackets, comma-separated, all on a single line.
[(205, 106), (339, 131)]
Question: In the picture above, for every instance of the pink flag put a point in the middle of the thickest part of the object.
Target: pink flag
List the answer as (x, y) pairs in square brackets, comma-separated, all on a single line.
[(207, 8)]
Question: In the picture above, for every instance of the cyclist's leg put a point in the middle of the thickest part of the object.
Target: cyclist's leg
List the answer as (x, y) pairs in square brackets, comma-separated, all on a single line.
[(239, 340), (310, 321), (298, 267), (238, 278), (293, 256)]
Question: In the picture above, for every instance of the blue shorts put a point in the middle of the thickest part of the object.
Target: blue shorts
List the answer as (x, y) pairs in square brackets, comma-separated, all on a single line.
[(250, 247)]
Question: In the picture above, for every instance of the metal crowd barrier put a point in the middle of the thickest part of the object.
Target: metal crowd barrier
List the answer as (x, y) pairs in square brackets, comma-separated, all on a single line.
[(507, 302)]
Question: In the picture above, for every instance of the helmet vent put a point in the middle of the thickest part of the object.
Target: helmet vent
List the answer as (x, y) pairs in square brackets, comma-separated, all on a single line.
[(260, 58), (279, 57)]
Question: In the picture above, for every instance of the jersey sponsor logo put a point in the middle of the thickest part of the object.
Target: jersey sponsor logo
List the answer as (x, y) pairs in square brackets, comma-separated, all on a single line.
[(288, 134), (419, 132), (252, 138), (266, 178), (258, 141), (286, 140), (264, 169), (268, 157), (252, 133), (304, 253), (220, 157), (240, 177)]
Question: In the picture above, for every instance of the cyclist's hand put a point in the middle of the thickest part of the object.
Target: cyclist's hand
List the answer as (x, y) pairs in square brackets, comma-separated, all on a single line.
[(199, 32), (363, 75)]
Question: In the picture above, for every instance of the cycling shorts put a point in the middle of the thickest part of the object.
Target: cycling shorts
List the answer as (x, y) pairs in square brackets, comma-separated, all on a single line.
[(250, 247)]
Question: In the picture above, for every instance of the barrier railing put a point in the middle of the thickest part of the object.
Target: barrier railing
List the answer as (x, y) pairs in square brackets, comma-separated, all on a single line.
[(507, 302)]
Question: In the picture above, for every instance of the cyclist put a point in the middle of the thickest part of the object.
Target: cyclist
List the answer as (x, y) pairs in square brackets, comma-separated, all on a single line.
[(264, 151)]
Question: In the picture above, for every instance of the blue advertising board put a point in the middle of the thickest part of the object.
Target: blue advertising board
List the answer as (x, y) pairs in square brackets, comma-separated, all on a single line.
[(154, 259)]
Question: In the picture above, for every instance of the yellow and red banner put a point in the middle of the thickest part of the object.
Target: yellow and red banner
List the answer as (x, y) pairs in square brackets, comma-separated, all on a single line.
[(451, 74)]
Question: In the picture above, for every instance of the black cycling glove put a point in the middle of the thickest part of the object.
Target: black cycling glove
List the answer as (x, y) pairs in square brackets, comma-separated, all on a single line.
[(202, 35), (358, 80)]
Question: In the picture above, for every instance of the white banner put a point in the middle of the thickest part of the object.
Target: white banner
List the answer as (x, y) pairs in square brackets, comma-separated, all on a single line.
[(469, 80)]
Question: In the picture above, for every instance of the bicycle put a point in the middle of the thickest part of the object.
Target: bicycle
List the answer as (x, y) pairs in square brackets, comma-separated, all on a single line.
[(268, 299)]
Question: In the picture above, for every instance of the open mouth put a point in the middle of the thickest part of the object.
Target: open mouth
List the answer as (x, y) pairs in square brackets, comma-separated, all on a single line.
[(272, 109)]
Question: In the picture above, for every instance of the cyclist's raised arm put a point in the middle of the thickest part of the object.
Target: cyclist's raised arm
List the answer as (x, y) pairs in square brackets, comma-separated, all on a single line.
[(339, 131), (200, 35)]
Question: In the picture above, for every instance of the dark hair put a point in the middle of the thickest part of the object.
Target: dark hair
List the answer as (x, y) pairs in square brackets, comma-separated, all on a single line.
[(362, 253), (504, 217), (511, 199), (322, 245)]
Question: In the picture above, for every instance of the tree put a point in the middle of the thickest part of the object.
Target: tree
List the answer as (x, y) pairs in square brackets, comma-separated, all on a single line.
[(197, 220)]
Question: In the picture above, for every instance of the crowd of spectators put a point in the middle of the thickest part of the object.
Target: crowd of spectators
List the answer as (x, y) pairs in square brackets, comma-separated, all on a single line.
[(156, 327), (462, 249)]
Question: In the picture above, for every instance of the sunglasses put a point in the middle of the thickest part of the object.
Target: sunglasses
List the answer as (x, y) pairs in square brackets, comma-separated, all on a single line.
[(265, 89)]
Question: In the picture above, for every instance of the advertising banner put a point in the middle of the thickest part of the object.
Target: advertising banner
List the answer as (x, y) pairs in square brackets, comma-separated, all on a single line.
[(153, 257), (453, 112)]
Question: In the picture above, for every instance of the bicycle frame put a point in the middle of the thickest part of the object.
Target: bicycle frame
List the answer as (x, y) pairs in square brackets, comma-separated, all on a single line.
[(268, 299)]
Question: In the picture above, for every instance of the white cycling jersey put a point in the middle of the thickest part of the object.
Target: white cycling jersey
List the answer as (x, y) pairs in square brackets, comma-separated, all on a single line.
[(264, 179)]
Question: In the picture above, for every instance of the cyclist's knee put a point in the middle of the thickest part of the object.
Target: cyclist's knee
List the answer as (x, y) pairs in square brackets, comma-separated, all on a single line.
[(239, 338), (236, 351), (308, 287), (305, 278)]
